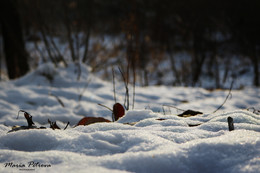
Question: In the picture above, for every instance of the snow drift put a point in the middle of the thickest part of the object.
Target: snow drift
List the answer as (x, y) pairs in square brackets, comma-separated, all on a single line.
[(147, 145)]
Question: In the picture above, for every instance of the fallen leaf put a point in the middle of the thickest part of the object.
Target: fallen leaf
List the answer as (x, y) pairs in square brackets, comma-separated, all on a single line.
[(189, 113), (90, 120), (118, 111)]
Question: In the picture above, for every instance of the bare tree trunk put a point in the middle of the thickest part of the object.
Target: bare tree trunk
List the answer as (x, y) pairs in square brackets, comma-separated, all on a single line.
[(227, 69), (89, 18), (14, 47), (173, 64), (70, 39), (198, 58), (85, 56), (255, 61), (197, 64), (48, 48), (174, 69), (217, 80), (58, 52), (69, 32), (146, 81), (1, 55), (38, 49)]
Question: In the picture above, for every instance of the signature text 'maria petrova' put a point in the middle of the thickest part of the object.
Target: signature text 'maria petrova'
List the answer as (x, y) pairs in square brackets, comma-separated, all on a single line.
[(31, 164)]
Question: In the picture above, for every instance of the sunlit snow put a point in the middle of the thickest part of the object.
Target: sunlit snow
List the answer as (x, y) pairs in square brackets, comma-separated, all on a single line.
[(138, 142)]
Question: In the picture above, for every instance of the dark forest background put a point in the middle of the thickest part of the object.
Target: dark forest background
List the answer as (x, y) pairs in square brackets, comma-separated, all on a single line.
[(214, 36)]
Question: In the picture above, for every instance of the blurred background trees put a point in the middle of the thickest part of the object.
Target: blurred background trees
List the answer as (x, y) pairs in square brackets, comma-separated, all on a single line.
[(168, 42), (14, 46)]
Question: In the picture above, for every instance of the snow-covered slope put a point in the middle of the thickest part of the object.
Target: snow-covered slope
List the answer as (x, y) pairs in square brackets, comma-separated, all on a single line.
[(148, 145)]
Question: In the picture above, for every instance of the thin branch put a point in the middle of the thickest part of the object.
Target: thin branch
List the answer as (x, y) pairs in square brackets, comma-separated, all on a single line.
[(44, 36), (41, 53), (255, 111), (28, 117), (66, 125), (173, 63), (69, 31), (84, 89), (79, 70), (48, 47), (126, 90), (58, 51), (85, 55), (229, 95), (163, 110), (174, 107), (134, 73), (58, 99), (105, 107), (19, 112), (114, 86)]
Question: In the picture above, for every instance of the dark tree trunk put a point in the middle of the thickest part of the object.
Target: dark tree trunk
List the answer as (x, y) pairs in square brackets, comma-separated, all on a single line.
[(217, 78), (255, 61), (197, 64), (14, 48), (199, 56)]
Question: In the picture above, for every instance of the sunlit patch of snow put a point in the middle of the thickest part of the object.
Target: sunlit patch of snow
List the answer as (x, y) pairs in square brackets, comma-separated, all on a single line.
[(149, 138)]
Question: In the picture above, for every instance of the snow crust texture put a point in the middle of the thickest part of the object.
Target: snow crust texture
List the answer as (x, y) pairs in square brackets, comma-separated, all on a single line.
[(138, 142)]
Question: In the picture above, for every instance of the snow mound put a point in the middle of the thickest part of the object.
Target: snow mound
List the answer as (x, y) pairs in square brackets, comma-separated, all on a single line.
[(149, 138), (154, 146)]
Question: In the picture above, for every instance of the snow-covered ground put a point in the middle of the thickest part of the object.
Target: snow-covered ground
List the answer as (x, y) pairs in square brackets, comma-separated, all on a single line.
[(148, 145)]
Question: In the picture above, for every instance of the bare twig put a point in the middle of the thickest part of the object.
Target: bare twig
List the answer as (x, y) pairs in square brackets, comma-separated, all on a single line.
[(105, 107), (134, 73), (69, 31), (147, 107), (255, 111), (48, 48), (58, 51), (85, 55), (126, 104), (77, 63), (58, 99), (163, 109), (114, 87), (175, 71), (87, 30), (66, 126), (40, 52), (229, 95), (53, 125), (174, 107), (28, 118), (84, 89), (19, 112)]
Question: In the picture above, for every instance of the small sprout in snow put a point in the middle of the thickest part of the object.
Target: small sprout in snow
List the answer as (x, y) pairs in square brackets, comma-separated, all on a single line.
[(29, 122), (53, 125), (28, 118)]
